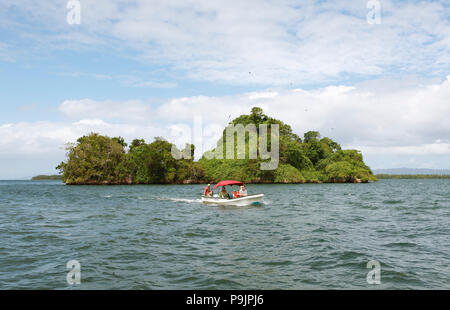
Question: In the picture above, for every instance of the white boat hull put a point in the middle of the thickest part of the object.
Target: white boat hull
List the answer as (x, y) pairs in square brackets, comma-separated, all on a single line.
[(242, 201)]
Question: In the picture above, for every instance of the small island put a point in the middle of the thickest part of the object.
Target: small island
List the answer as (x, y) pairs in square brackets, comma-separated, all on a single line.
[(47, 177), (100, 160)]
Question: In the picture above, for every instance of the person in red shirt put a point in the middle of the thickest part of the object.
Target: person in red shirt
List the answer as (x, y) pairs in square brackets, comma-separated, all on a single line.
[(207, 192)]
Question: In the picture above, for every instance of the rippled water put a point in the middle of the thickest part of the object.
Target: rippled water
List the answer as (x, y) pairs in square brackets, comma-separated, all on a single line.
[(311, 236)]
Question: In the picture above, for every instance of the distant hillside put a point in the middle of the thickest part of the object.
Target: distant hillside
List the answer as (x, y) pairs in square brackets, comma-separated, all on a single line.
[(46, 177), (403, 171)]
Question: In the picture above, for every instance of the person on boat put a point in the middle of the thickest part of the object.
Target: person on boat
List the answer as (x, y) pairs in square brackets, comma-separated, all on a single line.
[(236, 194), (223, 193), (243, 191), (207, 192)]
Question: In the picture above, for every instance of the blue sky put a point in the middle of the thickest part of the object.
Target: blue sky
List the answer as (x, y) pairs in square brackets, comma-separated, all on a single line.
[(143, 68)]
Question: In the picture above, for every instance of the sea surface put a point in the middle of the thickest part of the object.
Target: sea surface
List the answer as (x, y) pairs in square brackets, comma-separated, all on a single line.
[(308, 236)]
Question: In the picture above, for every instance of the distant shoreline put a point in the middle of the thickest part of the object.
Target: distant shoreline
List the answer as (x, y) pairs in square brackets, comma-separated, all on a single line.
[(411, 171), (413, 176), (46, 177)]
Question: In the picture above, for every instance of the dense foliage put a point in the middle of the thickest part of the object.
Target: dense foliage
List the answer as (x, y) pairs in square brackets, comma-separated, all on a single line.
[(313, 159), (97, 159)]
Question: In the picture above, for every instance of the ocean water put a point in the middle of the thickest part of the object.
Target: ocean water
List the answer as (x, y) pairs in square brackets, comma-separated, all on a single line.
[(309, 236)]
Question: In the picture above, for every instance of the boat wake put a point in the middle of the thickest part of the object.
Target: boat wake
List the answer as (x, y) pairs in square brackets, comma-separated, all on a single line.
[(182, 200)]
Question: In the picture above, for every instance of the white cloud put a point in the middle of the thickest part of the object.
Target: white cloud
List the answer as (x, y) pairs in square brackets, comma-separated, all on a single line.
[(251, 42), (425, 149), (111, 110), (42, 139), (260, 95)]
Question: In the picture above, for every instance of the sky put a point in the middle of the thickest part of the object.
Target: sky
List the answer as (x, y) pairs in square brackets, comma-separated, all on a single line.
[(372, 75)]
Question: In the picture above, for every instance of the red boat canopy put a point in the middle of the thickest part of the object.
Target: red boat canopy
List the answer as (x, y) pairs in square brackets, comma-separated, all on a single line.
[(229, 182)]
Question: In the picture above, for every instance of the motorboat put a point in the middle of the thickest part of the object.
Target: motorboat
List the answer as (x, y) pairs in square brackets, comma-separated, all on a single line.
[(241, 201), (235, 201)]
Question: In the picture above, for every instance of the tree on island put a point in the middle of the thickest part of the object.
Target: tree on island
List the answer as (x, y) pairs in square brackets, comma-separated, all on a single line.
[(97, 159)]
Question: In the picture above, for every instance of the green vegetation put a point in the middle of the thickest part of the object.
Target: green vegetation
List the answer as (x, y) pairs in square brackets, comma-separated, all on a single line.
[(97, 159), (46, 177), (413, 176), (313, 160)]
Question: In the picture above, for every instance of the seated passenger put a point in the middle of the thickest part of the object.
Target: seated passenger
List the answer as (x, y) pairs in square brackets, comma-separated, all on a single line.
[(207, 192), (243, 191), (224, 194)]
